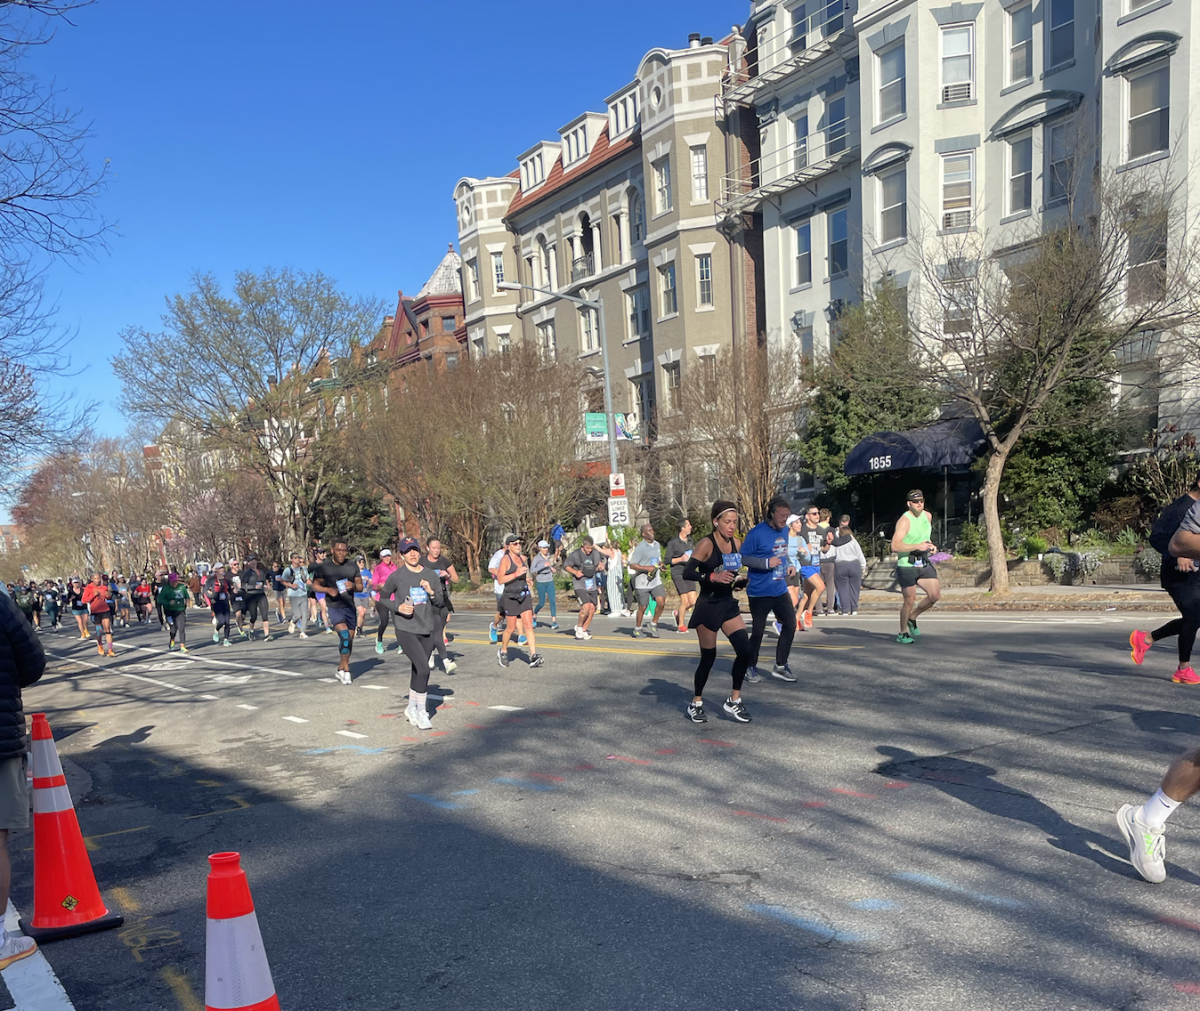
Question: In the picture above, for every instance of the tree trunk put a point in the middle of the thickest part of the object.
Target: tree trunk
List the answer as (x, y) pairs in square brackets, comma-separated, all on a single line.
[(991, 520)]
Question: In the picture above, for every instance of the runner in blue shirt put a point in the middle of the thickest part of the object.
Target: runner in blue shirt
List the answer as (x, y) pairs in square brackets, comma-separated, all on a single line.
[(764, 553)]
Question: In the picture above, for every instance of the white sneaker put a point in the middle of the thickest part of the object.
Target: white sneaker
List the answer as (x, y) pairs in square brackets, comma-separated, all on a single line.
[(432, 660), (303, 635), (15, 948), (410, 714), (1147, 848), (343, 676), (422, 721), (291, 627), (578, 632), (584, 634), (450, 666)]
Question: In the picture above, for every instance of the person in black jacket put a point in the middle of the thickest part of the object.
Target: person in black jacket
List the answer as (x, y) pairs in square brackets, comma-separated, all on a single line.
[(22, 662)]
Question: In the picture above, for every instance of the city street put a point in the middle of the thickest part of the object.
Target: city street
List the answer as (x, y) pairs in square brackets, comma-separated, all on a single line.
[(926, 827)]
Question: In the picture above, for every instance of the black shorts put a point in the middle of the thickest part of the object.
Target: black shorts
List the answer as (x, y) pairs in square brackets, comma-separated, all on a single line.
[(514, 607), (794, 579), (256, 608), (588, 597), (714, 613), (339, 614), (907, 575), (683, 586)]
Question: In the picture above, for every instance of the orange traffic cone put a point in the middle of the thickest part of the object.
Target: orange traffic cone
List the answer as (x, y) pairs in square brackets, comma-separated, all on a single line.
[(66, 901), (236, 974)]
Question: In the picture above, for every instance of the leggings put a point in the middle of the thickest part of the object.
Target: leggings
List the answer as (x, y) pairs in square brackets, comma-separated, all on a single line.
[(740, 642), (177, 623), (545, 592), (440, 614), (829, 578), (220, 610), (1186, 594), (417, 649), (161, 619), (385, 616), (785, 614)]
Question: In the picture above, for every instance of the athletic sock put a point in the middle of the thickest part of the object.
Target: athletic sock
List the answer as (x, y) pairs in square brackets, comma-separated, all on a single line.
[(1155, 812), (417, 700)]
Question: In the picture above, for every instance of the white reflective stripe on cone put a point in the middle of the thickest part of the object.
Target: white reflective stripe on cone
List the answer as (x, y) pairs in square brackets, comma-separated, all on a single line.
[(45, 760), (236, 974), (51, 799)]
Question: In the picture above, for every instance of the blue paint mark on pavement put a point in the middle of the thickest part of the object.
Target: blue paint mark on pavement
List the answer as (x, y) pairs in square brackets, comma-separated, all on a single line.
[(822, 930), (445, 805), (463, 793), (949, 886), (524, 784), (358, 749), (874, 904)]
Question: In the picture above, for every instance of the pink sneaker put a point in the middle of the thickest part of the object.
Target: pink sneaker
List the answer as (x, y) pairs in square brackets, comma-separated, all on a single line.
[(1186, 676), (1138, 645)]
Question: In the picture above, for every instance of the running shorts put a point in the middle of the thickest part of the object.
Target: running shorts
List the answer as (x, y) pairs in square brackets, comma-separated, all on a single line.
[(256, 608), (514, 607), (341, 615), (643, 596), (588, 597), (683, 586), (808, 571), (907, 575), (795, 579), (14, 793)]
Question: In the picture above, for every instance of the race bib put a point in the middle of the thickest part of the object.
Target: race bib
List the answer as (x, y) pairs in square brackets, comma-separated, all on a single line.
[(733, 560), (418, 595), (343, 585), (687, 554), (589, 584), (221, 596)]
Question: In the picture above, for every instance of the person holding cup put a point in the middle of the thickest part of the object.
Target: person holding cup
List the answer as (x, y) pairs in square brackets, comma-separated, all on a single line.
[(412, 593), (338, 578)]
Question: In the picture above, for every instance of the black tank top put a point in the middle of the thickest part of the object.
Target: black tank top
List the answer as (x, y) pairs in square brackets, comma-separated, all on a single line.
[(719, 560)]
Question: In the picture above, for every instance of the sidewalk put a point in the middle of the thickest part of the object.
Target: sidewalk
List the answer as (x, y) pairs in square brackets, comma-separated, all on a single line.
[(1100, 597)]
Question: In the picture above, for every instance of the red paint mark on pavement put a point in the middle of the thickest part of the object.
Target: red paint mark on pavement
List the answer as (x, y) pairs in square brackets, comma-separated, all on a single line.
[(410, 738), (472, 703), (896, 786), (853, 793), (546, 775), (388, 716), (445, 705), (1176, 922), (813, 803), (665, 751), (1188, 987), (439, 733), (351, 723), (635, 761), (719, 744), (476, 726), (752, 814)]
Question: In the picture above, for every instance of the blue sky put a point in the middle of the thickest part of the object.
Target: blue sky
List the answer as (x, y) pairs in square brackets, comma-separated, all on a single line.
[(316, 136)]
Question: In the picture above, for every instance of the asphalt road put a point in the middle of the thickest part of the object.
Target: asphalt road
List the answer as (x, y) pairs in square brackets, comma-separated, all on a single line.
[(925, 827)]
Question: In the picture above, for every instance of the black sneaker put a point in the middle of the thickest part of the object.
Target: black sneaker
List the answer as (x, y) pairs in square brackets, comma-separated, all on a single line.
[(737, 710), (783, 672), (502, 657), (696, 713), (536, 660)]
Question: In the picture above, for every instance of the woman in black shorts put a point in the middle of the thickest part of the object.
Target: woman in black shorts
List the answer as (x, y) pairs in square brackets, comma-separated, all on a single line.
[(714, 565)]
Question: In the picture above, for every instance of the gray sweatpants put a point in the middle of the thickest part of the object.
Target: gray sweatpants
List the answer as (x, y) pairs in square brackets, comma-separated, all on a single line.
[(300, 612)]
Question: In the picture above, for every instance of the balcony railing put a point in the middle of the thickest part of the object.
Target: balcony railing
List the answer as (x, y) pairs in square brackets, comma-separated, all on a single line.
[(583, 266)]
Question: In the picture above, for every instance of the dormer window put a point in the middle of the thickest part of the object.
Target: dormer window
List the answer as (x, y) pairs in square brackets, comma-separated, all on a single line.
[(622, 113)]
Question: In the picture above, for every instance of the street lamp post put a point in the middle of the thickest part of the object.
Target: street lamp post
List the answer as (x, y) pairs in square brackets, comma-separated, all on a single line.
[(598, 305)]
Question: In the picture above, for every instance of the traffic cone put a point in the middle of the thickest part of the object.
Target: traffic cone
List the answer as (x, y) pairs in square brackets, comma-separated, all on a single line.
[(66, 901), (236, 974)]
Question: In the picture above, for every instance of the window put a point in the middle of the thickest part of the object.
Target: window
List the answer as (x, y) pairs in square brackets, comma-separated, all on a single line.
[(1147, 260), (708, 369), (504, 340), (958, 296), (805, 338), (803, 239), (497, 270), (671, 387), (704, 277), (712, 480), (638, 302), (477, 348), (893, 205), (1060, 162), (667, 303), (835, 125), (662, 185), (1149, 99), (637, 218), (891, 83), (699, 174), (958, 63), (451, 362), (839, 242), (957, 190), (799, 36), (640, 398), (472, 280), (800, 135), (448, 324), (1020, 174), (547, 341), (1020, 44), (588, 337), (1061, 47)]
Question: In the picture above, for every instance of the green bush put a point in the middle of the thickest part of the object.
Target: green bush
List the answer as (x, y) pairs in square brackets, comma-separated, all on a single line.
[(1035, 546)]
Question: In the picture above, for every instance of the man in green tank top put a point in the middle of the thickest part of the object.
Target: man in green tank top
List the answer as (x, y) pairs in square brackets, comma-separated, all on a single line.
[(911, 542)]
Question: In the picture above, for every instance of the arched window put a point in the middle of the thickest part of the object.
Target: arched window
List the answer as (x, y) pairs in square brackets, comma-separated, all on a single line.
[(637, 217)]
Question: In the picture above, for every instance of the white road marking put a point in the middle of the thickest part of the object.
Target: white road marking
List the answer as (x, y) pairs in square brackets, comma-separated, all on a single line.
[(328, 681), (242, 705), (503, 709), (226, 663), (214, 698), (378, 688), (295, 719), (351, 733), (31, 981), (229, 679), (120, 673)]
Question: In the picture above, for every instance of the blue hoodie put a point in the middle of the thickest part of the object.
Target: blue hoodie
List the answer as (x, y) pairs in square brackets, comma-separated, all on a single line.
[(762, 543)]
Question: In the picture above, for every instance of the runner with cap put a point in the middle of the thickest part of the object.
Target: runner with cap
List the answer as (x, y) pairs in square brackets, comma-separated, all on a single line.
[(714, 565), (543, 568), (583, 563), (438, 563), (295, 580), (174, 598), (679, 550), (142, 595), (338, 579), (513, 575), (379, 576), (218, 590), (764, 552), (411, 593), (96, 596), (913, 568), (255, 583)]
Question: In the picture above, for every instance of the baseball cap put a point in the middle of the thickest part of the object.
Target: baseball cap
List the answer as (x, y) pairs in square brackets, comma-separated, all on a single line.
[(916, 495), (219, 565), (252, 558), (543, 544), (385, 553), (407, 545), (794, 519), (511, 538)]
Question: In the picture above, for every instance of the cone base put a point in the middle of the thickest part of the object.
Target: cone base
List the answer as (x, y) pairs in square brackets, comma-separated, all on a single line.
[(43, 934)]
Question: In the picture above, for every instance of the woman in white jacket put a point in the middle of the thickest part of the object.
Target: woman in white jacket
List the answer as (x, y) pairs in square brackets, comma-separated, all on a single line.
[(851, 563), (616, 580)]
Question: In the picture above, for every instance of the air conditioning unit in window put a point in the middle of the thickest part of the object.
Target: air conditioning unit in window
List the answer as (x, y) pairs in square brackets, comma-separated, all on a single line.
[(956, 92), (956, 219)]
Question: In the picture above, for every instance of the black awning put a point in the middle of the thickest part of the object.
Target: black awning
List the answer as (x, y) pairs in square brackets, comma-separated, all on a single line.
[(956, 443)]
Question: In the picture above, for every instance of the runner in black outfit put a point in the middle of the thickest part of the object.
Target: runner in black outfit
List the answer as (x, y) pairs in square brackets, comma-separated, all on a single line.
[(714, 565)]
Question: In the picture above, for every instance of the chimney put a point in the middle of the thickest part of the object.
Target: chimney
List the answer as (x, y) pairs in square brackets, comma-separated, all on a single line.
[(706, 41), (694, 40)]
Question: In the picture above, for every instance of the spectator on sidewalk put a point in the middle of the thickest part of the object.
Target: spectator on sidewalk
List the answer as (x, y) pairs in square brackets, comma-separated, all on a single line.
[(22, 662), (850, 564)]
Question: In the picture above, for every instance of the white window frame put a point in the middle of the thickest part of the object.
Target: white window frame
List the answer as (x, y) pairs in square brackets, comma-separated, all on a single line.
[(637, 218), (1023, 178), (802, 259), (800, 140), (884, 177), (836, 132), (497, 272), (1052, 28), (1130, 78), (672, 380), (704, 281), (958, 222), (699, 159), (666, 273), (662, 185), (902, 81), (1144, 244), (547, 341), (957, 91), (1013, 44), (473, 280), (589, 327)]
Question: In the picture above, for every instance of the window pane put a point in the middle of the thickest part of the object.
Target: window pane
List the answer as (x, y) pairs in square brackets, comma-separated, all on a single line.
[(803, 253), (1020, 194), (1149, 92), (839, 246), (1021, 54), (835, 128), (1149, 113), (956, 41)]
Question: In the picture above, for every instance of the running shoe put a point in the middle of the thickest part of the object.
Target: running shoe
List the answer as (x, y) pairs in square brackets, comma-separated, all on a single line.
[(410, 714), (328, 630), (583, 633), (522, 640), (675, 616), (905, 639), (683, 630), (449, 666), (737, 710), (536, 660), (492, 633), (216, 636), (752, 675), (379, 646), (502, 658), (15, 948), (100, 649), (553, 627), (652, 631), (637, 633), (1147, 847), (303, 635), (110, 652), (182, 648), (1139, 644), (267, 637), (1186, 676), (226, 642), (432, 660), (783, 672), (291, 627), (343, 676), (912, 629), (422, 720), (696, 713), (808, 619)]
